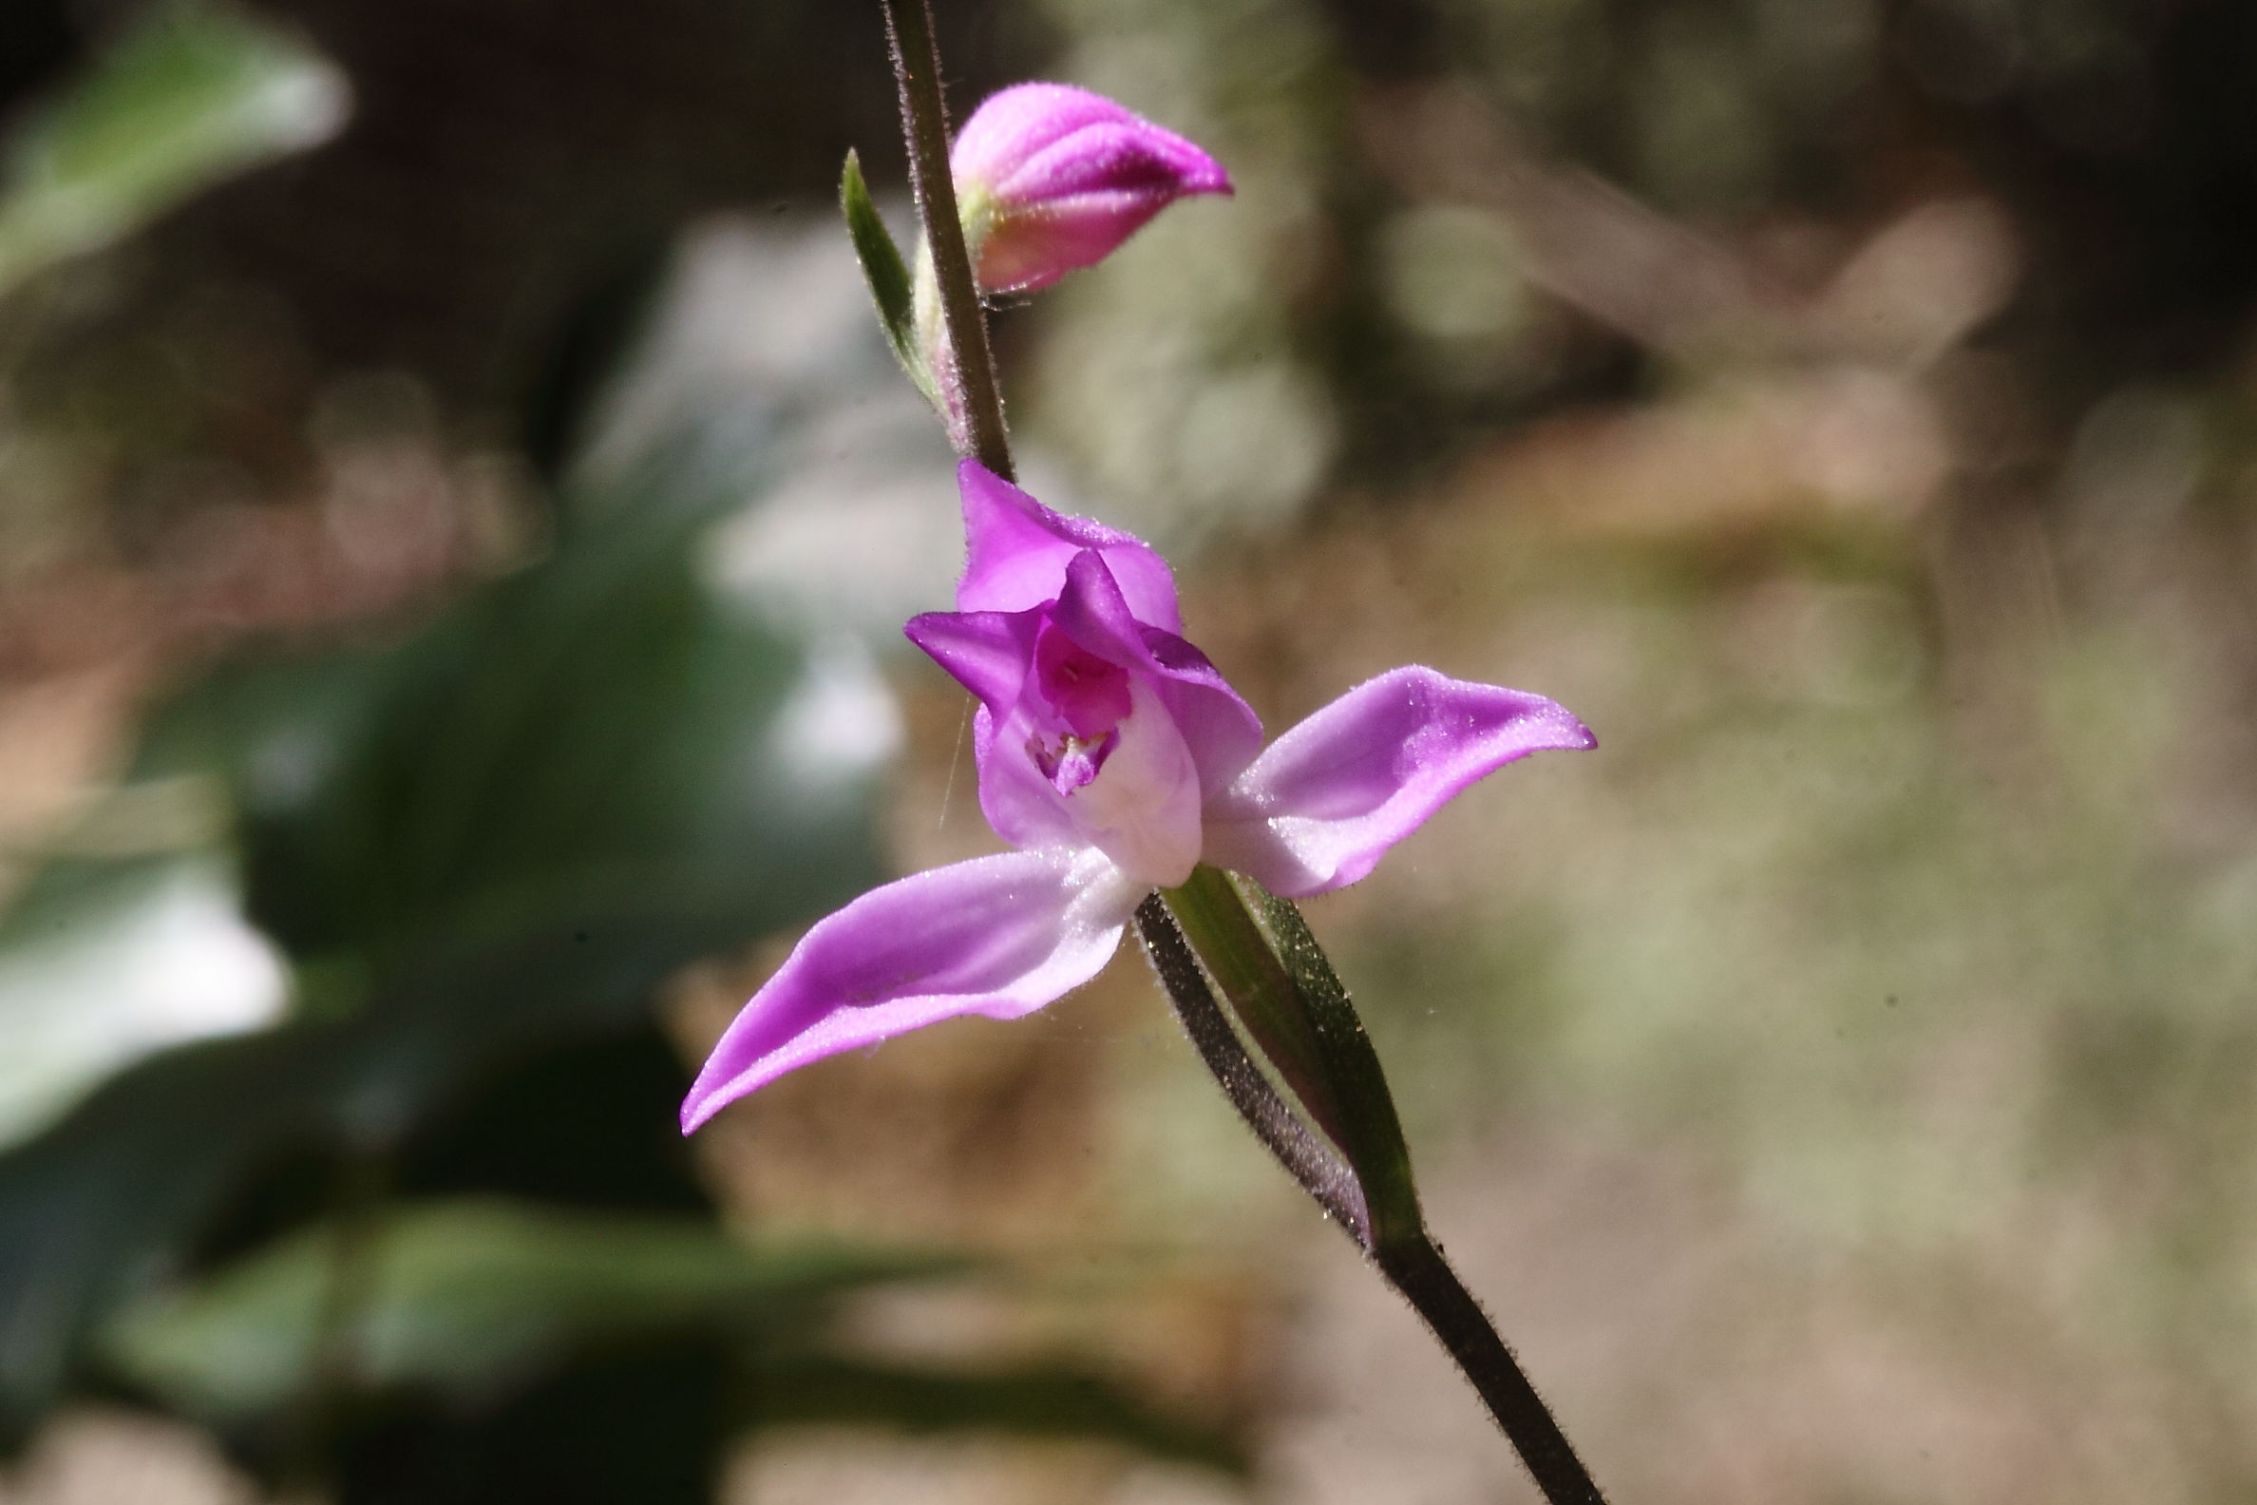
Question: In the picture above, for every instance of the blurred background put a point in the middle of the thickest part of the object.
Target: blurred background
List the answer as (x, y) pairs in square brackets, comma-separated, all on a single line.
[(456, 512)]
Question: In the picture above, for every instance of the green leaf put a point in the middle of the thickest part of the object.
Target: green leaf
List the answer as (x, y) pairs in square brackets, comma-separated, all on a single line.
[(602, 755), (470, 1299), (132, 1175), (471, 1302), (887, 274), (1283, 991), (189, 97), (1374, 1141), (493, 836), (104, 961)]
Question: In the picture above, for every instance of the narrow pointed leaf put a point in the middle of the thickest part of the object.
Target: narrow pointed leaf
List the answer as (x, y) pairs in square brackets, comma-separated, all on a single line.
[(1261, 994), (1376, 1147), (1281, 988), (885, 271)]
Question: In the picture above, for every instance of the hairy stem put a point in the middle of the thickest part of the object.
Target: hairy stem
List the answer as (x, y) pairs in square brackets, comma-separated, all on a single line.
[(1275, 976), (1307, 1158), (1280, 985), (1415, 1267), (970, 382), (1247, 970)]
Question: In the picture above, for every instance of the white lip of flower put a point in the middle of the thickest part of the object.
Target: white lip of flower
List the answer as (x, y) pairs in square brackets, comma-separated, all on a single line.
[(1140, 803)]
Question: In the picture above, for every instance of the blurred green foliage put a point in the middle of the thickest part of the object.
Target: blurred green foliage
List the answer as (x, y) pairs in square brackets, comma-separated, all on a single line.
[(456, 851), (1843, 405), (191, 95), (467, 1298), (481, 845)]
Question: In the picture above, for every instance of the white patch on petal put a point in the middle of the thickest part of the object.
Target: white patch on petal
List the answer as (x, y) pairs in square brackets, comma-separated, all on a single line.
[(1142, 810)]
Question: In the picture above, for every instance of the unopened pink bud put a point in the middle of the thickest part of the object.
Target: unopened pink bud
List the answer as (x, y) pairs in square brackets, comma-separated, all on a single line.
[(1052, 178)]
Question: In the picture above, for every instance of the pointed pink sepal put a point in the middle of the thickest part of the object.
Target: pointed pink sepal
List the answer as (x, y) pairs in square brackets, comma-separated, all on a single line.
[(999, 936), (1322, 804)]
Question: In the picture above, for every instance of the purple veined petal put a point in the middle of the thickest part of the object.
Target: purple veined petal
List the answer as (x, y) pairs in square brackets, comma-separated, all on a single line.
[(1108, 769), (1066, 177), (1088, 693), (1142, 808), (1146, 812), (999, 936), (1019, 549), (1325, 802), (1216, 723)]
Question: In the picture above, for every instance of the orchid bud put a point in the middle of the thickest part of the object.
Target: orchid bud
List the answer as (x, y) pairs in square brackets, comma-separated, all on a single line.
[(1051, 178)]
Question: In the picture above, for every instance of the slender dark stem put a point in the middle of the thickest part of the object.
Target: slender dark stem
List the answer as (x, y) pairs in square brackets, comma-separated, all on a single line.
[(1410, 1260), (1405, 1253), (1306, 1158), (1416, 1268), (1222, 914), (924, 123)]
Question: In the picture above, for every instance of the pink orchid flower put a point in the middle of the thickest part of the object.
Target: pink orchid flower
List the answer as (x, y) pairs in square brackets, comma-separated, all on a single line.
[(1053, 178), (1114, 758)]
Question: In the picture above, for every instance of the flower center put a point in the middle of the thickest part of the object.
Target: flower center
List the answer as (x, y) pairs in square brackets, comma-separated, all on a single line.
[(1087, 693), (1089, 696), (1070, 763)]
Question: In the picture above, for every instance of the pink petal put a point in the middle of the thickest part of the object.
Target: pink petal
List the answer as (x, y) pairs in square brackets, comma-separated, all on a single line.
[(1124, 161), (1012, 124), (1033, 249), (1319, 808), (1067, 176), (1218, 725), (1018, 799), (1019, 550), (999, 936), (991, 653), (1142, 809)]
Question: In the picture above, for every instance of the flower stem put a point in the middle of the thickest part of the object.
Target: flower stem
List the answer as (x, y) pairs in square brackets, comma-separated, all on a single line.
[(1258, 949), (1261, 991), (1304, 1155), (1297, 997), (970, 382), (1415, 1268)]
